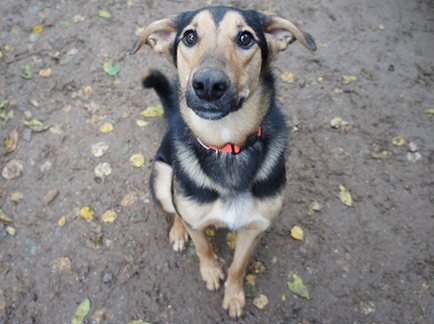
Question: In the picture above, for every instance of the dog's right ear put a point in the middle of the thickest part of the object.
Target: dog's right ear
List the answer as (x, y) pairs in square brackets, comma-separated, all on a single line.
[(159, 35)]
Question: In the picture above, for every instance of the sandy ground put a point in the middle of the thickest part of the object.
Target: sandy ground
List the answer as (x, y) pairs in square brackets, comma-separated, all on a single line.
[(369, 263)]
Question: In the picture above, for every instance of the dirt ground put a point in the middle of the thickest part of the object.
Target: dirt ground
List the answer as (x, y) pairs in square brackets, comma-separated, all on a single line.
[(369, 263)]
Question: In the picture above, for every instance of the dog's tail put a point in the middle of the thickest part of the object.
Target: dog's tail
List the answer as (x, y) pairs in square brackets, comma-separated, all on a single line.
[(165, 91)]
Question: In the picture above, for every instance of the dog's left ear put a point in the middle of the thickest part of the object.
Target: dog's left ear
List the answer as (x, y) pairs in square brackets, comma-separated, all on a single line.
[(280, 33), (159, 35)]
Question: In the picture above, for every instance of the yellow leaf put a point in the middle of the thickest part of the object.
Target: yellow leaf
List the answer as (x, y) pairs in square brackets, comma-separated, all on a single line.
[(283, 297), (381, 27), (349, 78), (11, 143), (297, 233), (78, 19), (287, 77), (106, 128), (16, 196), (86, 213), (137, 160), (298, 286), (260, 301), (320, 79), (98, 149), (153, 111), (141, 123), (37, 29), (103, 170), (258, 267), (250, 279), (10, 230), (56, 129), (9, 48), (62, 221), (109, 216), (398, 141), (45, 72), (129, 199), (231, 240), (429, 112), (313, 207), (209, 232), (88, 90), (345, 196), (104, 14), (60, 264)]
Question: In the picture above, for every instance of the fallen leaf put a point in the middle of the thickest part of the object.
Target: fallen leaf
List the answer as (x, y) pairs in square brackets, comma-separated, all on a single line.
[(126, 147), (138, 322), (9, 48), (398, 141), (345, 196), (209, 232), (103, 169), (27, 73), (5, 217), (62, 221), (338, 122), (413, 157), (381, 156), (258, 267), (129, 199), (260, 301), (56, 130), (109, 216), (99, 149), (50, 196), (13, 141), (16, 196), (297, 233), (153, 111), (250, 286), (45, 72), (231, 240), (10, 230), (88, 90), (191, 249), (298, 286), (99, 315), (367, 75), (12, 170), (64, 24), (104, 14), (283, 297), (78, 19), (250, 279), (381, 27), (81, 312), (287, 77), (313, 207), (131, 2), (36, 125), (111, 68), (141, 123), (92, 107), (412, 147), (137, 160), (367, 307), (348, 78), (60, 264), (86, 213), (34, 103), (106, 128), (429, 112), (37, 29)]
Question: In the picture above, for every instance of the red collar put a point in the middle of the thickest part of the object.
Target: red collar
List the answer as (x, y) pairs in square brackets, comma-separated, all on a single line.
[(228, 148)]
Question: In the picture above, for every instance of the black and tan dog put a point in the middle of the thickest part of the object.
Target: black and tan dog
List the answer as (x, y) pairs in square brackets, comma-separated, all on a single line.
[(222, 159)]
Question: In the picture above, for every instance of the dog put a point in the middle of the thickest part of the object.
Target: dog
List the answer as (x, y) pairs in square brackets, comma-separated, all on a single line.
[(222, 159)]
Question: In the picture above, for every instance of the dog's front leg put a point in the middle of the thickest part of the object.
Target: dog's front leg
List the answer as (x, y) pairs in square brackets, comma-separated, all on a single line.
[(235, 298), (210, 270)]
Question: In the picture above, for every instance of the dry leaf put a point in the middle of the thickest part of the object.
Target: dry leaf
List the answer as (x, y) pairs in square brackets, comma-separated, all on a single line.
[(78, 19), (283, 297), (106, 128), (13, 141), (129, 199), (258, 267), (209, 232), (34, 103), (81, 312), (398, 141), (99, 149), (349, 78), (36, 125), (287, 77), (231, 240), (12, 170), (141, 123), (313, 207), (345, 196), (109, 216), (260, 301), (413, 157), (103, 169), (62, 221), (10, 230), (45, 72), (92, 107), (429, 112), (381, 156), (104, 14), (88, 90), (37, 29), (5, 217), (338, 122), (60, 264), (297, 233), (56, 130), (381, 27), (137, 160), (153, 111), (86, 213), (50, 196), (16, 196), (298, 286)]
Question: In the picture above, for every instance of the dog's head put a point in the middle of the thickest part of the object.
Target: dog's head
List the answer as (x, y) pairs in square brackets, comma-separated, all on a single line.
[(222, 55)]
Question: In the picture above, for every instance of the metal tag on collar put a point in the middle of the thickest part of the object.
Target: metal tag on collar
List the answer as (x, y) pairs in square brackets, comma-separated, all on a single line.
[(216, 153)]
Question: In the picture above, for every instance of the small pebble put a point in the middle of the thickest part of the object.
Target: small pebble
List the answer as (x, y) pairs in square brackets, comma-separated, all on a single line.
[(391, 67), (418, 241), (413, 147), (7, 257), (107, 277), (297, 307), (27, 135)]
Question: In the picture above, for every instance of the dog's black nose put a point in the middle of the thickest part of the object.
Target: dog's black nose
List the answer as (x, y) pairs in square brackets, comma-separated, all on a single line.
[(210, 84)]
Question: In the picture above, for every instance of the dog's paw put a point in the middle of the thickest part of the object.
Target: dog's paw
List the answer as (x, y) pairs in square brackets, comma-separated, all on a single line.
[(234, 301), (178, 236), (212, 274)]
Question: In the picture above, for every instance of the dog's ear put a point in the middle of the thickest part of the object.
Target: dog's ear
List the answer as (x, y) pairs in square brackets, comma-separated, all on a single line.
[(159, 35), (280, 33)]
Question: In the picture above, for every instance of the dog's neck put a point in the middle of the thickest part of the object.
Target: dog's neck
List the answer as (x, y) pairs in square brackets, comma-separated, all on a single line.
[(234, 128)]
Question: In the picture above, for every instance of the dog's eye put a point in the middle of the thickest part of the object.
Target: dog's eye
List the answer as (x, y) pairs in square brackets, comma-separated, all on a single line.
[(190, 37), (245, 39)]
